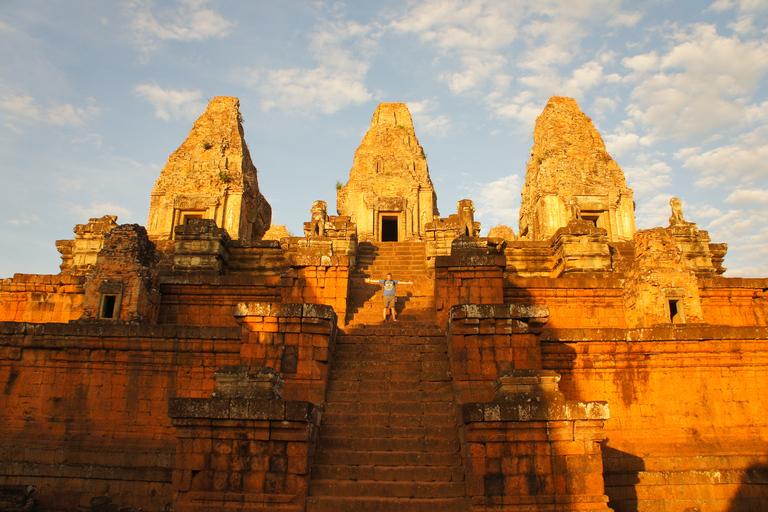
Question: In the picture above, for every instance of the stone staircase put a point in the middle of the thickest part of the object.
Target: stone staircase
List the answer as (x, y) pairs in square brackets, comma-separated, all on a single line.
[(415, 304), (388, 440)]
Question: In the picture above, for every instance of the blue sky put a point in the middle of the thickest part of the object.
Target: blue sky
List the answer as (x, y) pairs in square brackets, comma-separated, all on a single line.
[(94, 97)]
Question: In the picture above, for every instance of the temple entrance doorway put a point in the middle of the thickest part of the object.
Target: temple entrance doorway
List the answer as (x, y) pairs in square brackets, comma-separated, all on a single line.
[(389, 228)]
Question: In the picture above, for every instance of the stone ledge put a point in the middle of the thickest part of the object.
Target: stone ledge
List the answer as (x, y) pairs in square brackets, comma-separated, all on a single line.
[(243, 409), (661, 332), (485, 260), (513, 311), (113, 329), (535, 409), (280, 310)]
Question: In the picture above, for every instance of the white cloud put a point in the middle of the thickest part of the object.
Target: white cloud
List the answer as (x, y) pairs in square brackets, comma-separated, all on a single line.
[(746, 197), (619, 144), (172, 104), (654, 212), (70, 115), (743, 5), (498, 201), (701, 85), (24, 110), (425, 119), (340, 48), (189, 21), (737, 163), (481, 35), (24, 220), (648, 175), (99, 209)]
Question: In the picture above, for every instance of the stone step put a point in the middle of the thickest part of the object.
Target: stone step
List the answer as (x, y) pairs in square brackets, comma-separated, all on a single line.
[(390, 387), (391, 420), (392, 366), (373, 377), (397, 329), (389, 473), (387, 396), (388, 444), (352, 488), (385, 504), (356, 353), (361, 407), (394, 432), (374, 458)]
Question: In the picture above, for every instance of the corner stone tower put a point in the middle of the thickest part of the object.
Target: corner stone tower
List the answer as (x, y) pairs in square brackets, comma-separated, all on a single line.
[(571, 176), (211, 176), (389, 194)]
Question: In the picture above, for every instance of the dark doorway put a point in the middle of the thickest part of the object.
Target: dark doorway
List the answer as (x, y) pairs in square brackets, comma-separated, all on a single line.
[(389, 229)]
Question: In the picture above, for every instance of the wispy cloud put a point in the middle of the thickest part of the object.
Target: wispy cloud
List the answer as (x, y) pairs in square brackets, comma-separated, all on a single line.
[(190, 20), (497, 202), (170, 103), (341, 49), (700, 85), (426, 120), (737, 163), (23, 110), (99, 209), (24, 220)]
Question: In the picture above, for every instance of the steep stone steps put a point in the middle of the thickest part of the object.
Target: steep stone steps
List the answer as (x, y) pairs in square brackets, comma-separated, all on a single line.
[(388, 439), (389, 504), (406, 261)]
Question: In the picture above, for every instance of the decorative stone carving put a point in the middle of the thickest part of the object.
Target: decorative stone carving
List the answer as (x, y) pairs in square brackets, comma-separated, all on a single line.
[(466, 212), (316, 227), (389, 180), (570, 177), (211, 176), (677, 212)]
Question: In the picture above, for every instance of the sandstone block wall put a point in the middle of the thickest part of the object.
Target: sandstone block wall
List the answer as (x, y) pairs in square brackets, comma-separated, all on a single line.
[(41, 298), (85, 406), (686, 430)]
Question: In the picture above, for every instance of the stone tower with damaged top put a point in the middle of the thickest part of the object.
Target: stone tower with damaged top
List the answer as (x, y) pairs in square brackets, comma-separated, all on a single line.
[(570, 176), (211, 176), (389, 194)]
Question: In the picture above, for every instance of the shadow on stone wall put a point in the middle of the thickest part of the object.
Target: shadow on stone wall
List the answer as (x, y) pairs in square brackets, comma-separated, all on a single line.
[(752, 495), (621, 473)]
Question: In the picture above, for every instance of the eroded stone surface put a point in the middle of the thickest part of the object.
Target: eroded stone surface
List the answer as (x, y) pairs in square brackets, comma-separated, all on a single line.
[(211, 176), (571, 176)]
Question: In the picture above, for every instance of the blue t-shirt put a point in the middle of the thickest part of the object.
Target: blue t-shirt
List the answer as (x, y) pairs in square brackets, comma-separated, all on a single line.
[(389, 286)]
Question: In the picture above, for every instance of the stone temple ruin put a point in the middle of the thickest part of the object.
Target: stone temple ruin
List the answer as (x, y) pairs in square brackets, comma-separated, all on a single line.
[(210, 362)]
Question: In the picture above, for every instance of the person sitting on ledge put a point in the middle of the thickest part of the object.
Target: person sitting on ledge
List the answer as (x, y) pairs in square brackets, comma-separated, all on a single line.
[(389, 286)]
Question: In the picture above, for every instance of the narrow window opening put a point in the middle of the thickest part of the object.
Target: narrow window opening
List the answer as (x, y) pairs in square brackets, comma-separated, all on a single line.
[(389, 229), (675, 312), (108, 303)]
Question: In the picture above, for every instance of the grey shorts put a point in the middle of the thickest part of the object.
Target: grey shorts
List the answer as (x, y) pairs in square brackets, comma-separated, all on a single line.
[(389, 301)]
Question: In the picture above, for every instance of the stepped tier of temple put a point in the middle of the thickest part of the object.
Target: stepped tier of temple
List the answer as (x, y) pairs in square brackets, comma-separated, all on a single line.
[(214, 362)]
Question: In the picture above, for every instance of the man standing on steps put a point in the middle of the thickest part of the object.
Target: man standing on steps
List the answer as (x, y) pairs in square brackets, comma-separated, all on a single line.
[(389, 286)]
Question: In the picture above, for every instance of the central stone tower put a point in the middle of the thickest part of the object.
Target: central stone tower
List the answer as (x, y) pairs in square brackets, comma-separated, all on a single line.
[(389, 194)]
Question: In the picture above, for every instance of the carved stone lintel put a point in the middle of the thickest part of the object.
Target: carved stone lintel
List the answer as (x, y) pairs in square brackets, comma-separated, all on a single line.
[(258, 383)]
